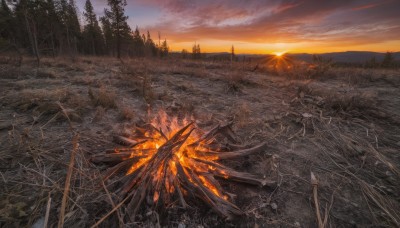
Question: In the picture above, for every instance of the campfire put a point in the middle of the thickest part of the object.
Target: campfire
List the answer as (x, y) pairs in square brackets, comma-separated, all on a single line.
[(168, 161)]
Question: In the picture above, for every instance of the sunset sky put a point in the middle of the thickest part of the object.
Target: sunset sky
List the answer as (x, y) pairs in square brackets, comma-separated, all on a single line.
[(262, 26)]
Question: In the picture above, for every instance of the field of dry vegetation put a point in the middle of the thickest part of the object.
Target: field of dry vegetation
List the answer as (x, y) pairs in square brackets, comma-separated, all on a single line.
[(341, 124)]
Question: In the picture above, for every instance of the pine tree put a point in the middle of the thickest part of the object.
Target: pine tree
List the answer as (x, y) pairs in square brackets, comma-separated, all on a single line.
[(53, 26), (150, 46), (388, 60), (28, 13), (93, 39), (70, 23), (74, 25), (232, 54), (138, 44), (6, 18), (109, 38), (184, 53), (371, 63), (118, 22), (164, 49), (196, 53), (62, 7), (8, 30), (143, 38)]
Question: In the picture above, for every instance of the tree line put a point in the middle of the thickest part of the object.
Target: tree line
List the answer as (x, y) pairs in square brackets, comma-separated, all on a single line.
[(387, 62), (52, 27)]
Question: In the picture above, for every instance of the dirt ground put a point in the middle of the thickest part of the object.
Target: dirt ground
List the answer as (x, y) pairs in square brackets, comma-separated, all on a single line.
[(343, 125)]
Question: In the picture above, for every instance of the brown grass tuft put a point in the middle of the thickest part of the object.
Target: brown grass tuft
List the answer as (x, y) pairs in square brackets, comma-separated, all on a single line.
[(45, 73), (147, 91), (241, 114), (99, 114), (39, 100), (103, 97), (235, 81), (126, 112)]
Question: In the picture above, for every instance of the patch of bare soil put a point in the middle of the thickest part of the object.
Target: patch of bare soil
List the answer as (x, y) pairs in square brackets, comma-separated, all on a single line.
[(343, 126)]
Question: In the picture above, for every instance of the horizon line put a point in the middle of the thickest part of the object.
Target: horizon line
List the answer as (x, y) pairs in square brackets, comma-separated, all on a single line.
[(307, 53)]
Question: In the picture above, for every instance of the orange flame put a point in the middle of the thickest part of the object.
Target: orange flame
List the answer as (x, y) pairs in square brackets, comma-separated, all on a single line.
[(164, 128)]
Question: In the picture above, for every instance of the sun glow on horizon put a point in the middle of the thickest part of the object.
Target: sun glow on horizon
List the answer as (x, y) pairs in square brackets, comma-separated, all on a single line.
[(279, 54)]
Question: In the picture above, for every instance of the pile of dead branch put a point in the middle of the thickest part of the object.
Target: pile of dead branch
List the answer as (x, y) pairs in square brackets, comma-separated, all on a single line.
[(177, 172)]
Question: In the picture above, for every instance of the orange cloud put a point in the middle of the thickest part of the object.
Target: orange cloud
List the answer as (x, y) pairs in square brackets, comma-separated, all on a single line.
[(260, 26), (366, 6)]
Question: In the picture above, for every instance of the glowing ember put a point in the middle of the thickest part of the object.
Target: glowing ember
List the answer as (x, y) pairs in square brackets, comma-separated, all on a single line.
[(172, 159)]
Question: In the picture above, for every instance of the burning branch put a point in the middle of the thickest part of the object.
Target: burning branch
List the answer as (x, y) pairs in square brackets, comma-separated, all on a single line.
[(170, 160)]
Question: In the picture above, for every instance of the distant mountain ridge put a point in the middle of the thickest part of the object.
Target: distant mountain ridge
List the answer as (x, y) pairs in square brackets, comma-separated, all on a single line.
[(348, 56), (339, 57)]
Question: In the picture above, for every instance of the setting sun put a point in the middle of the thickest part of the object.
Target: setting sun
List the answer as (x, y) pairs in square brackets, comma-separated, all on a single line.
[(279, 54)]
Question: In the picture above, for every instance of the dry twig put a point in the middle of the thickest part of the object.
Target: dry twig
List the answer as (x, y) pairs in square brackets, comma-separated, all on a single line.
[(75, 143), (46, 217), (314, 183)]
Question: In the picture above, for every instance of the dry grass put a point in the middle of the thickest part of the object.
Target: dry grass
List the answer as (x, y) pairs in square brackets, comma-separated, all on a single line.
[(307, 71), (235, 80), (364, 77), (341, 126), (350, 152), (325, 72), (78, 103), (11, 58), (99, 114), (43, 104), (127, 77), (37, 100), (135, 76), (291, 69), (126, 112), (185, 67), (102, 97), (241, 114), (14, 72), (339, 100), (238, 79), (147, 91), (85, 80), (44, 73)]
